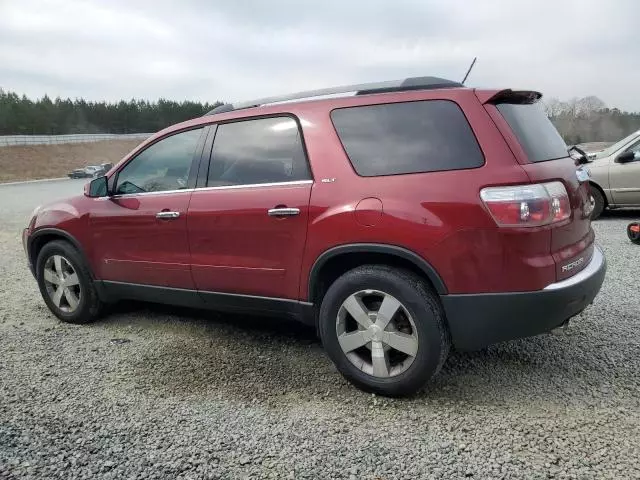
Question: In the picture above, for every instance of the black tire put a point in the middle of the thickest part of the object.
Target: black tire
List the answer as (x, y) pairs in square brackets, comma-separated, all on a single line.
[(599, 203), (419, 301), (89, 306), (633, 236)]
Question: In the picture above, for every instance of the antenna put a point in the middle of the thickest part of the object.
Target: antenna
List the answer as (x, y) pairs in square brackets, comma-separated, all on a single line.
[(469, 71)]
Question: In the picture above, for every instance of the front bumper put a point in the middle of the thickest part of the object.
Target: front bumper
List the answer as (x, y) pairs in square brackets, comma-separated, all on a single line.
[(479, 320)]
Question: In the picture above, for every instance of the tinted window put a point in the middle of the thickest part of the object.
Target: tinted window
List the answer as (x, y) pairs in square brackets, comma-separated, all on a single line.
[(165, 165), (266, 150), (535, 132), (408, 137), (635, 149)]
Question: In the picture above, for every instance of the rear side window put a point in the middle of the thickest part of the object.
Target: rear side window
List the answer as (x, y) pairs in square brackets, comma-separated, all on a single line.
[(535, 132), (408, 137), (264, 150)]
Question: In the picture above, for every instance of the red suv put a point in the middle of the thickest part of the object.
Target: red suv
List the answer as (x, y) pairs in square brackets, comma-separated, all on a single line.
[(400, 220)]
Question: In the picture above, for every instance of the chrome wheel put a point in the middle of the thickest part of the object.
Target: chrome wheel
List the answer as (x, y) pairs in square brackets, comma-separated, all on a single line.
[(62, 283), (377, 333)]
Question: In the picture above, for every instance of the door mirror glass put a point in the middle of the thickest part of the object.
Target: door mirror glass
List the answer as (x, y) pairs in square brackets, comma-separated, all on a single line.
[(625, 157), (97, 188)]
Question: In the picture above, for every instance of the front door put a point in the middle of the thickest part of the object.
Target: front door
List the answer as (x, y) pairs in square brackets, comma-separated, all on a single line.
[(624, 179), (139, 233), (247, 227)]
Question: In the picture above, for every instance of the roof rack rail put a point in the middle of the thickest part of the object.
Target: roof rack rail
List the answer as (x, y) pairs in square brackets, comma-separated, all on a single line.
[(413, 83)]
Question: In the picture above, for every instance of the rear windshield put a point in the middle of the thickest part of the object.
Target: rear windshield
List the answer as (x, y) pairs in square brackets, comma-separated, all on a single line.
[(536, 134)]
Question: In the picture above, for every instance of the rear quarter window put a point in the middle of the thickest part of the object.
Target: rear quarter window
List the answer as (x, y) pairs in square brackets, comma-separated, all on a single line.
[(535, 132), (407, 137)]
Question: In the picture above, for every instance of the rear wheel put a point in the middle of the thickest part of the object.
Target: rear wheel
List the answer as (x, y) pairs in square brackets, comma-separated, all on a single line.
[(66, 284), (598, 203), (384, 329)]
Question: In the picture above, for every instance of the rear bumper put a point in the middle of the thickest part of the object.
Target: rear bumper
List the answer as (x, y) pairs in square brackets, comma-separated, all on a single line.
[(478, 320)]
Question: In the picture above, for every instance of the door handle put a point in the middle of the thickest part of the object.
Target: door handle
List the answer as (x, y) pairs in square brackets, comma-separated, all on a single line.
[(283, 212), (167, 215)]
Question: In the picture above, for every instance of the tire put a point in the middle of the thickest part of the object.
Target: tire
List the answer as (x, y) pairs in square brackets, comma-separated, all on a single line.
[(633, 236), (598, 203), (76, 302), (419, 316)]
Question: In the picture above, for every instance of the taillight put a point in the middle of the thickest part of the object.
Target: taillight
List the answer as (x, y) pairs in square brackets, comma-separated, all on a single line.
[(531, 205)]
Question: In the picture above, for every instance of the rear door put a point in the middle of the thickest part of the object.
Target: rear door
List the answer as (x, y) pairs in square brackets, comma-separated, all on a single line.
[(624, 178), (248, 225), (543, 155)]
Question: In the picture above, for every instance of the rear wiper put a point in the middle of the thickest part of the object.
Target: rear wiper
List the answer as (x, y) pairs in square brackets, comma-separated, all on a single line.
[(578, 155)]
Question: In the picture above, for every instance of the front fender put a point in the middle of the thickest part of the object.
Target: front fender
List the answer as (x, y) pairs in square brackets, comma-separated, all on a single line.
[(61, 220)]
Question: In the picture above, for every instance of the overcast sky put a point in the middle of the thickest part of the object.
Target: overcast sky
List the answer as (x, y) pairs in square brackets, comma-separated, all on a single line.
[(241, 49)]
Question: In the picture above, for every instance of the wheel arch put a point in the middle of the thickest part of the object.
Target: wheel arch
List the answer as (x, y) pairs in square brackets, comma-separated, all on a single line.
[(41, 237), (593, 184), (337, 260)]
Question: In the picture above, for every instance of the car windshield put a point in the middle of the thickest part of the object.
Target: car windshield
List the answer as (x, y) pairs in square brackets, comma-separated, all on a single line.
[(618, 145)]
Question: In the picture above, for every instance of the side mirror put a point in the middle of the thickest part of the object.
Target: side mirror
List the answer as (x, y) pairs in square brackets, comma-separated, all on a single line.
[(625, 157), (98, 187)]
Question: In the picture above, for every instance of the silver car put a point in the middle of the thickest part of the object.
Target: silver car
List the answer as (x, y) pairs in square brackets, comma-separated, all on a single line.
[(615, 175)]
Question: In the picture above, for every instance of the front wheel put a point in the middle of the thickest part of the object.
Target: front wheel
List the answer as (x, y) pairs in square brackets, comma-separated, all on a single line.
[(66, 284), (384, 329)]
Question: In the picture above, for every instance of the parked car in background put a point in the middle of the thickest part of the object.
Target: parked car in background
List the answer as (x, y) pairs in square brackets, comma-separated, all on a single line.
[(85, 172), (106, 167), (90, 171), (410, 217), (615, 175)]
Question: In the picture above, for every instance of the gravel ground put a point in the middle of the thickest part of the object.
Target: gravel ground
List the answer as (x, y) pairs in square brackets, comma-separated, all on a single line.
[(151, 392)]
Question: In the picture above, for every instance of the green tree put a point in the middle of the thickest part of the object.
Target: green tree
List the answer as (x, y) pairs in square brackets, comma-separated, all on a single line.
[(20, 115)]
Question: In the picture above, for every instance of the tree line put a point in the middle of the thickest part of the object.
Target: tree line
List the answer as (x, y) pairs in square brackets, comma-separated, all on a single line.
[(589, 119), (580, 120), (20, 115)]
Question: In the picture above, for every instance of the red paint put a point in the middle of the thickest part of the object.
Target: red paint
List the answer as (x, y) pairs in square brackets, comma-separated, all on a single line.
[(225, 241), (237, 248), (131, 245)]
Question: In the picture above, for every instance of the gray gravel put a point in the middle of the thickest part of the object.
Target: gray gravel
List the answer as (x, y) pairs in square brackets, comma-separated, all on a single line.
[(151, 392)]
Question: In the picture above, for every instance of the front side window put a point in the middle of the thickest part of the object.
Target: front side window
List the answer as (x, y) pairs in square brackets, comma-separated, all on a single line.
[(163, 166), (636, 151), (264, 150), (407, 137)]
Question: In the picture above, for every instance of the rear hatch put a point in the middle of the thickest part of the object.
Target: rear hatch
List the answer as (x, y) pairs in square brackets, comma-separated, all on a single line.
[(543, 155)]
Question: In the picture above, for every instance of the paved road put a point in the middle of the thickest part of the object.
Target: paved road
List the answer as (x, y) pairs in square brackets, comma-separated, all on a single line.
[(17, 201), (151, 392)]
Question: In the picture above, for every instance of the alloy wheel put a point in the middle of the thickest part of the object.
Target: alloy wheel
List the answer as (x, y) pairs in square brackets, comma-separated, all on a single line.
[(377, 333), (62, 283)]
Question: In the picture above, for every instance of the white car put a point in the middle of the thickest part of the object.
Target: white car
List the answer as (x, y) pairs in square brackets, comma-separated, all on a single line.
[(615, 175)]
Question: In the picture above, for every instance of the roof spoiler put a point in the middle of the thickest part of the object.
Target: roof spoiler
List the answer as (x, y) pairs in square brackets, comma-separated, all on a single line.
[(517, 97)]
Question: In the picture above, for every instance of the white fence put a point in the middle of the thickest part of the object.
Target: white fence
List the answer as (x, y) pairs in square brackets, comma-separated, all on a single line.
[(9, 140)]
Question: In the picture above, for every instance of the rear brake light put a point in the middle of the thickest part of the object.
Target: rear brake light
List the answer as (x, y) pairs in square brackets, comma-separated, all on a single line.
[(531, 205)]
